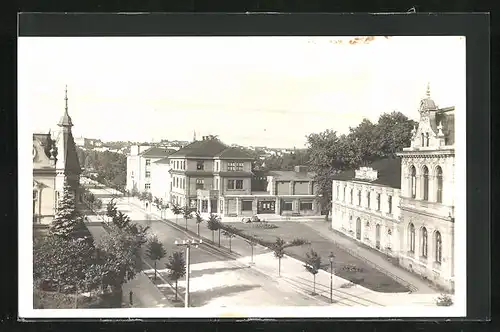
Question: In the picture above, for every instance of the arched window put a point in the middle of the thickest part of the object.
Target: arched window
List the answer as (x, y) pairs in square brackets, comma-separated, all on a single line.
[(425, 178), (438, 245), (378, 202), (427, 139), (345, 187), (352, 196), (338, 192), (423, 236), (368, 199), (422, 142), (413, 182), (439, 185), (411, 237), (359, 197)]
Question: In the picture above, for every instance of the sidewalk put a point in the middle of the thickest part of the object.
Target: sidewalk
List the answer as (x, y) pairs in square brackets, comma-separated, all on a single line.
[(375, 258)]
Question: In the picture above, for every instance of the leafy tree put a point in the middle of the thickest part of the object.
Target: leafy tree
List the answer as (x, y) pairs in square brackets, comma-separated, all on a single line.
[(187, 214), (199, 220), (177, 210), (176, 266), (229, 234), (135, 191), (393, 133), (213, 224), (279, 252), (98, 203), (312, 265), (62, 262), (156, 201), (67, 222), (155, 251)]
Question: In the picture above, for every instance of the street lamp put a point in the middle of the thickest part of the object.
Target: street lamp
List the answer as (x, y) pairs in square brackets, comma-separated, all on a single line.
[(331, 257), (252, 244), (187, 244)]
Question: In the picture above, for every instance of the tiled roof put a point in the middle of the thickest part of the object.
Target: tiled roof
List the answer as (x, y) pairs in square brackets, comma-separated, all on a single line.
[(234, 153), (447, 119), (72, 165), (291, 175), (162, 161), (157, 152), (389, 173), (204, 149)]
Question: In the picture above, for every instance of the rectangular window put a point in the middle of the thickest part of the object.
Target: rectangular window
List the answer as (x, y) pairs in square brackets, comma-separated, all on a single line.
[(216, 184), (204, 205), (147, 186), (378, 202), (216, 166), (368, 199), (230, 184), (338, 192), (246, 206), (184, 165), (239, 167), (239, 184), (200, 183), (389, 202), (287, 206), (200, 165), (148, 174), (306, 206), (148, 162), (183, 183), (231, 166)]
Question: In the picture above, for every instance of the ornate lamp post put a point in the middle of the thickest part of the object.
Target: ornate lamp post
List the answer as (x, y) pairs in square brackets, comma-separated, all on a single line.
[(187, 244), (331, 257)]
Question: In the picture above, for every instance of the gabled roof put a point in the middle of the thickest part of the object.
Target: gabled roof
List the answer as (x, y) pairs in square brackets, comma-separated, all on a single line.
[(208, 148), (234, 153), (389, 173), (157, 152), (72, 164)]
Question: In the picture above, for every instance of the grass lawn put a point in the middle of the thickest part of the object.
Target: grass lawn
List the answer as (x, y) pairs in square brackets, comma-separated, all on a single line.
[(345, 265)]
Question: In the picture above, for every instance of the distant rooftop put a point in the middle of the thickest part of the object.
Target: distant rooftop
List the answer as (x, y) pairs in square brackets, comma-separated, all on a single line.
[(388, 173), (157, 152), (210, 147)]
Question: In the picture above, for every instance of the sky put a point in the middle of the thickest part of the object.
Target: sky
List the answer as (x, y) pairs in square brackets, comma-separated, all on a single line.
[(261, 91)]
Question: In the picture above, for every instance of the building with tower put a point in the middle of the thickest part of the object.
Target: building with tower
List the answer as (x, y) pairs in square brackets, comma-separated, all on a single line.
[(55, 161), (404, 206)]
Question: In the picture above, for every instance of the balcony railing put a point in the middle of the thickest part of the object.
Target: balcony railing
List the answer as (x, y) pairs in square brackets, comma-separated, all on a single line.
[(433, 207)]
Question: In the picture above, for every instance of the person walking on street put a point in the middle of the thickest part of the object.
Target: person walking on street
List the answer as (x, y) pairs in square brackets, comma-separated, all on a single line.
[(130, 295)]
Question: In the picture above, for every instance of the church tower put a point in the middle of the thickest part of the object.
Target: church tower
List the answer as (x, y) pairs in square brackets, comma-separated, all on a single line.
[(67, 165)]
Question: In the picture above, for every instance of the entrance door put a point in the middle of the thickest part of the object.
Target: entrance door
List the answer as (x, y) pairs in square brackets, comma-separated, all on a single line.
[(266, 207), (377, 237), (213, 206), (358, 229)]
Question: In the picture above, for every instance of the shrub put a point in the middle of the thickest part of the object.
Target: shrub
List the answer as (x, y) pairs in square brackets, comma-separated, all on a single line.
[(264, 226), (444, 300), (352, 268)]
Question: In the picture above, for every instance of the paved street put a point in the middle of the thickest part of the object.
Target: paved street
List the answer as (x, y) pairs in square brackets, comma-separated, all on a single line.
[(216, 280)]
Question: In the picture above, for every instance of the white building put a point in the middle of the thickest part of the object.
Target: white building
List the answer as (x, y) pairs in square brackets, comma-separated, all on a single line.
[(161, 183), (428, 196), (365, 205), (139, 167), (404, 207)]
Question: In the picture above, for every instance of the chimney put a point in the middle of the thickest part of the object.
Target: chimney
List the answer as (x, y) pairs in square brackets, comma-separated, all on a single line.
[(134, 150)]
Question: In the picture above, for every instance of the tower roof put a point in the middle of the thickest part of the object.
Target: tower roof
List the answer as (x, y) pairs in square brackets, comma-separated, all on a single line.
[(65, 119), (427, 103)]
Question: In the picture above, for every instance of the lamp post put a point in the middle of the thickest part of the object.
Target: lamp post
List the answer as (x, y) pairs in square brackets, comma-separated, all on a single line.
[(252, 244), (331, 257), (187, 244)]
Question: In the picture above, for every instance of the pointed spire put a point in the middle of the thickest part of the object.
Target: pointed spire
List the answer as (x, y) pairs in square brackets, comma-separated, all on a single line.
[(66, 119), (428, 91), (194, 135)]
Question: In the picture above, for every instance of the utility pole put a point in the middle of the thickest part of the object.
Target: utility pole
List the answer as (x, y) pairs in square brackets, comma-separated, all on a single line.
[(187, 244)]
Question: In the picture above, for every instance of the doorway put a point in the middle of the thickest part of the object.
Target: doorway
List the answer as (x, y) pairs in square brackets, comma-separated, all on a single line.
[(358, 228), (377, 236)]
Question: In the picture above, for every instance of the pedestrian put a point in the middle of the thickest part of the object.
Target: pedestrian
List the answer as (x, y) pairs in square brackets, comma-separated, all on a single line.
[(131, 298)]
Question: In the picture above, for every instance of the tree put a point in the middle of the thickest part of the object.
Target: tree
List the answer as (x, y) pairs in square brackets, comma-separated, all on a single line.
[(187, 214), (177, 210), (213, 224), (393, 133), (312, 265), (279, 252), (62, 262), (155, 251), (176, 266), (121, 220), (199, 220), (67, 222), (229, 234), (135, 191), (111, 209)]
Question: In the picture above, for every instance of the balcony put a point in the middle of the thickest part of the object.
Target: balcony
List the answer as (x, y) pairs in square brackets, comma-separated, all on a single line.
[(438, 209)]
